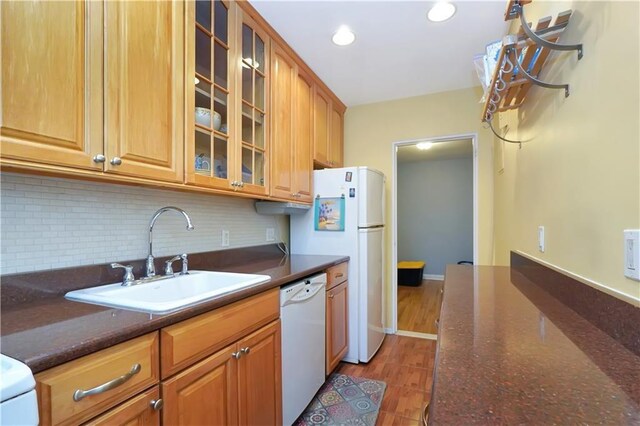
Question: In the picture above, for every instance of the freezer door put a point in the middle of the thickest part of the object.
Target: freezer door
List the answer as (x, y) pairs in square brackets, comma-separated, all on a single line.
[(370, 197), (371, 330)]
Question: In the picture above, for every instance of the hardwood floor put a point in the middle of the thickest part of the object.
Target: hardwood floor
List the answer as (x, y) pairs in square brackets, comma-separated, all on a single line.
[(405, 364), (419, 307)]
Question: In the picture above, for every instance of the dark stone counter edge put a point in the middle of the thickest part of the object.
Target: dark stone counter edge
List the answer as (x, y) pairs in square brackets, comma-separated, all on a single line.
[(156, 322), (615, 317)]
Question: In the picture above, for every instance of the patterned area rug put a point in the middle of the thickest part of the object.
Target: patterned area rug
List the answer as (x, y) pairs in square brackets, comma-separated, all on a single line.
[(344, 400)]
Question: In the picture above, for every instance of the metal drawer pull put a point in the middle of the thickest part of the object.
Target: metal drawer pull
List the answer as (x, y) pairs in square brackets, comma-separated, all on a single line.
[(79, 394), (425, 415), (157, 404), (339, 275)]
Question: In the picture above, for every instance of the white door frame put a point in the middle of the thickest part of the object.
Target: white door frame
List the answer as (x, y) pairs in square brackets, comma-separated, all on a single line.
[(394, 212)]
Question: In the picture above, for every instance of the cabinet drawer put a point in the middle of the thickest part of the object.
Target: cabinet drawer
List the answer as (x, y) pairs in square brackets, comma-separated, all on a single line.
[(190, 341), (129, 368), (337, 274), (137, 411)]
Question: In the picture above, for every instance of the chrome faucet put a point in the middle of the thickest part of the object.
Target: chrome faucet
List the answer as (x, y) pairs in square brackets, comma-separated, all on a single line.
[(151, 269)]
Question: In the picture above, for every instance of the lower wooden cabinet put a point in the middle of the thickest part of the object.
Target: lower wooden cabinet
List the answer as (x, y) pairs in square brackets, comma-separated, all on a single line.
[(260, 386), (81, 389), (337, 333), (144, 409), (239, 384), (206, 393)]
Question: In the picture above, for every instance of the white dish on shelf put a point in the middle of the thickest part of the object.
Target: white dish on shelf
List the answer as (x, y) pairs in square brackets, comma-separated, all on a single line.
[(203, 116), (217, 120)]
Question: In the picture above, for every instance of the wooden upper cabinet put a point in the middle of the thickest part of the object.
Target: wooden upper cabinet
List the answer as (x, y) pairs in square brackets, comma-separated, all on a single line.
[(283, 72), (303, 161), (144, 89), (291, 129), (321, 117), (211, 129), (51, 106), (252, 74), (336, 141)]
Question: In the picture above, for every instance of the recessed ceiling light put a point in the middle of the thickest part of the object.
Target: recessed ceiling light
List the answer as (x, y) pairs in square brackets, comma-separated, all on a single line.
[(441, 11), (423, 146), (343, 37)]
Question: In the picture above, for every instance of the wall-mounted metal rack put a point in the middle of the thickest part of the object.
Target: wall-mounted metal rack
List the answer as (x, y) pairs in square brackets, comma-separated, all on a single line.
[(521, 60)]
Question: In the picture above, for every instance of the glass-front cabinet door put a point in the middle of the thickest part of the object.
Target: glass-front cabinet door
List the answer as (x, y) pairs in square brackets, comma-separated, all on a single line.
[(210, 153), (253, 110)]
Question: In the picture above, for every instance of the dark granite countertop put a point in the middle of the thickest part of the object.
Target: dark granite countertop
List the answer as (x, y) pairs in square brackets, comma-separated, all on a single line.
[(510, 353), (39, 327)]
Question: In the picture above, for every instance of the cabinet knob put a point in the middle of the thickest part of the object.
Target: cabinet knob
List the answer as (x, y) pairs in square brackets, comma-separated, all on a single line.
[(241, 184), (236, 355), (99, 158), (116, 161), (157, 404), (245, 351), (330, 295)]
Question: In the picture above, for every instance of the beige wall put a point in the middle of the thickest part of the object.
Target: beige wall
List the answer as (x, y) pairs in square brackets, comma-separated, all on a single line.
[(579, 173), (370, 131)]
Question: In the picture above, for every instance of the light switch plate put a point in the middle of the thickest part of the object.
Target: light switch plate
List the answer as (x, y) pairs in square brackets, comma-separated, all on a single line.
[(225, 238), (541, 238), (632, 254)]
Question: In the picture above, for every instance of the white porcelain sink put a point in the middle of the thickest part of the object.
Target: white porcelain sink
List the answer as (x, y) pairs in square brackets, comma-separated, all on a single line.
[(168, 295)]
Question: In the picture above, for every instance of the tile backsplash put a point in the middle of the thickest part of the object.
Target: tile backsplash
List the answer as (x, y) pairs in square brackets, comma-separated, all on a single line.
[(48, 223)]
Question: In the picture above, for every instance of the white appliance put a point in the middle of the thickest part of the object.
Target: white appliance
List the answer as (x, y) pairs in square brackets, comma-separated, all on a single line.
[(19, 404), (302, 316), (362, 240)]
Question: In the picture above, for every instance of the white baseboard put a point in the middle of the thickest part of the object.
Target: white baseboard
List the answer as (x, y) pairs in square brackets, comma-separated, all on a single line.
[(389, 331), (433, 277), (427, 336)]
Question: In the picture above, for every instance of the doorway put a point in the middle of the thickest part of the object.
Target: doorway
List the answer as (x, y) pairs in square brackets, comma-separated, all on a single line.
[(434, 221)]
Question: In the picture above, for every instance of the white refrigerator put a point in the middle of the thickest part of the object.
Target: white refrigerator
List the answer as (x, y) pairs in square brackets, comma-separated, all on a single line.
[(355, 228)]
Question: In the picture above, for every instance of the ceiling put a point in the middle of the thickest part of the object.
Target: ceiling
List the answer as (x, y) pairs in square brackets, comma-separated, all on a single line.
[(445, 150), (397, 53)]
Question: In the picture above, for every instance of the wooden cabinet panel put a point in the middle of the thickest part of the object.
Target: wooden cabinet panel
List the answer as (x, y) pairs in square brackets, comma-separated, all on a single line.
[(336, 142), (337, 325), (51, 106), (253, 113), (282, 149), (337, 274), (205, 394), (56, 387), (321, 116), (137, 411), (260, 377), (189, 341), (303, 162), (144, 89)]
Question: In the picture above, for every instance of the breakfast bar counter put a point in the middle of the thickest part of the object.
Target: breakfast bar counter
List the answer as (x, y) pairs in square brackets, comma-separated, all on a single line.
[(510, 353)]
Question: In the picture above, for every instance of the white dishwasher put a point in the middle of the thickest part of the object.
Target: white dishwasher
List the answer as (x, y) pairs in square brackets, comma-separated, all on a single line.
[(302, 314)]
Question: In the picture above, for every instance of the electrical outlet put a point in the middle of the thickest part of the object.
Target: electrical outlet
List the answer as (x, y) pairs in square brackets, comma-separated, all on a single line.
[(271, 234), (541, 238), (632, 254), (225, 238)]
